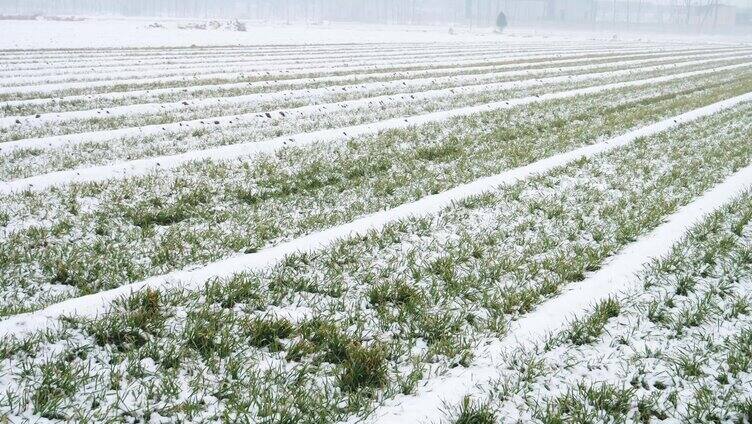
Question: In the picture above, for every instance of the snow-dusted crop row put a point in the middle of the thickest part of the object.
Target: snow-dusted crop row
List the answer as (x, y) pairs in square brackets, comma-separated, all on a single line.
[(679, 348), (255, 62), (391, 85), (89, 237), (199, 91), (245, 67), (65, 99), (192, 55), (156, 69), (253, 133), (60, 89), (211, 112), (178, 55), (322, 337), (426, 56)]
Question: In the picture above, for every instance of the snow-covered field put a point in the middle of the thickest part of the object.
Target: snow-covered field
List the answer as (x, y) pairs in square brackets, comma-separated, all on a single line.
[(338, 224)]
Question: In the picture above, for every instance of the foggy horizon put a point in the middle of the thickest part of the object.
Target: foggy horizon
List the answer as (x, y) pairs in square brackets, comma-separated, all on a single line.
[(687, 16)]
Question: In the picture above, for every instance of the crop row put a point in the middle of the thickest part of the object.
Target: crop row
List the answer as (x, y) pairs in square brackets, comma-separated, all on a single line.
[(88, 237), (36, 157), (166, 53), (323, 336), (201, 89), (383, 92), (259, 67), (204, 93), (256, 63), (251, 67), (58, 90), (363, 52), (679, 348), (95, 57)]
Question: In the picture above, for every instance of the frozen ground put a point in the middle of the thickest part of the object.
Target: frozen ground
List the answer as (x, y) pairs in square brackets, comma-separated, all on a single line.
[(336, 224)]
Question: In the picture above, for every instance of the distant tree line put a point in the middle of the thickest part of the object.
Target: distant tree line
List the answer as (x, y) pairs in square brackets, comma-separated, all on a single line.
[(376, 11)]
